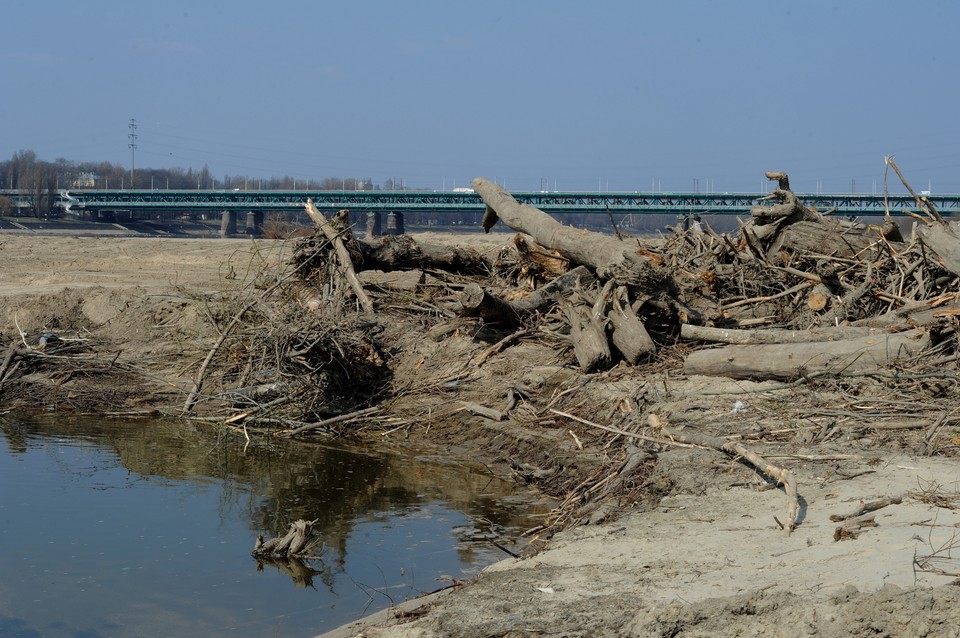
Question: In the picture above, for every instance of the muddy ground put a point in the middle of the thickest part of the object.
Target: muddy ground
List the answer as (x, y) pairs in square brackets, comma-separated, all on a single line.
[(648, 538)]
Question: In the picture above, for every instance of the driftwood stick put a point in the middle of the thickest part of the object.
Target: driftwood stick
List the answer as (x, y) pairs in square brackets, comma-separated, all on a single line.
[(922, 202), (852, 527), (342, 255), (500, 345), (481, 410), (743, 302), (866, 508), (735, 449), (331, 421)]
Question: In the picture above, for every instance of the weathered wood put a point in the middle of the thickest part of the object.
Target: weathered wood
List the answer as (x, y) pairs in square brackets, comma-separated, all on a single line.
[(738, 450), (298, 540), (340, 418), (789, 361), (342, 255), (482, 410), (825, 237), (627, 333), (536, 258), (624, 262), (789, 206), (401, 252), (588, 336), (477, 302), (770, 335), (944, 241), (542, 297)]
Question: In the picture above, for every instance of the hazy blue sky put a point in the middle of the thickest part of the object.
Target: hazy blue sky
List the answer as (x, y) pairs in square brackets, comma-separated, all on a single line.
[(615, 95)]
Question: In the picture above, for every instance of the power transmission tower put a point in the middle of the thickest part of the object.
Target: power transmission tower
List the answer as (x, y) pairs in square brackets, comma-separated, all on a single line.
[(133, 147)]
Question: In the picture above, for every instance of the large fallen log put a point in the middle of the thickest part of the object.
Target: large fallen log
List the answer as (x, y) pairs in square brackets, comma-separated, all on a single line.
[(790, 361), (771, 335), (401, 252), (624, 262), (824, 237)]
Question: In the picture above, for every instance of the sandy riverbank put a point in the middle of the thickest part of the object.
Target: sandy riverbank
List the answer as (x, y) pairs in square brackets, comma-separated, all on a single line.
[(693, 549)]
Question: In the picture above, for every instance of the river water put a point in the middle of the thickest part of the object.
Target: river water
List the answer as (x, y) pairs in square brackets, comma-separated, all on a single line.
[(144, 528)]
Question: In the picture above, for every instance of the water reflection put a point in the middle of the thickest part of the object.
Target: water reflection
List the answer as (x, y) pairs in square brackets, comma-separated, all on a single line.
[(145, 528)]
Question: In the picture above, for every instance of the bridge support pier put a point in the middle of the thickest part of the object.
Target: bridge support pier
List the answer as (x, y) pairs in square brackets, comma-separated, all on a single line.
[(373, 224), (228, 223), (394, 224), (255, 223)]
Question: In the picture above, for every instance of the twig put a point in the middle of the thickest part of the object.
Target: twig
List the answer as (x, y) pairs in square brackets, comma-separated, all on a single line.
[(500, 345)]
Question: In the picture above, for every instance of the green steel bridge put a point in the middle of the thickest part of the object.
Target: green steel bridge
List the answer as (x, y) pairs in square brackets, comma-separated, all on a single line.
[(94, 203), (431, 207)]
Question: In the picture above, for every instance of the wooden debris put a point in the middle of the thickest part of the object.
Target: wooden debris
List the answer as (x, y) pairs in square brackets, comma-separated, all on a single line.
[(299, 540), (789, 361), (346, 263), (866, 508), (853, 527)]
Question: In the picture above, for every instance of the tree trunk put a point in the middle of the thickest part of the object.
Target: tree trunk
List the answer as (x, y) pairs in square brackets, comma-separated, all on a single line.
[(743, 337), (789, 361), (401, 252), (611, 258), (589, 338)]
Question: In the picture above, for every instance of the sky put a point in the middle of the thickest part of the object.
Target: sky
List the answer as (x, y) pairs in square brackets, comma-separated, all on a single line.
[(669, 96)]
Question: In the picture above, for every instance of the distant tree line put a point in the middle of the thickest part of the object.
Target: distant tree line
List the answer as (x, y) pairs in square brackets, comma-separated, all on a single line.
[(24, 171)]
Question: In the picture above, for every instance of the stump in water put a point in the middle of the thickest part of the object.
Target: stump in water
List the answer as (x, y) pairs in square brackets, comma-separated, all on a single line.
[(298, 541)]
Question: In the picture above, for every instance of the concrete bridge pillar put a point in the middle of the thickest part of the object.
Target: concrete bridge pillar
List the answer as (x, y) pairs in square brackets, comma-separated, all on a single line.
[(373, 224), (394, 224), (228, 223), (255, 223)]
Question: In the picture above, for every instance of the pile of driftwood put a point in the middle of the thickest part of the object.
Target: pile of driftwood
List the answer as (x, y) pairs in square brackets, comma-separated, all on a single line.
[(795, 293)]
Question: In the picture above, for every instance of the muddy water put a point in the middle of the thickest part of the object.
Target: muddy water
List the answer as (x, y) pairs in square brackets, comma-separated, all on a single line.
[(140, 528)]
